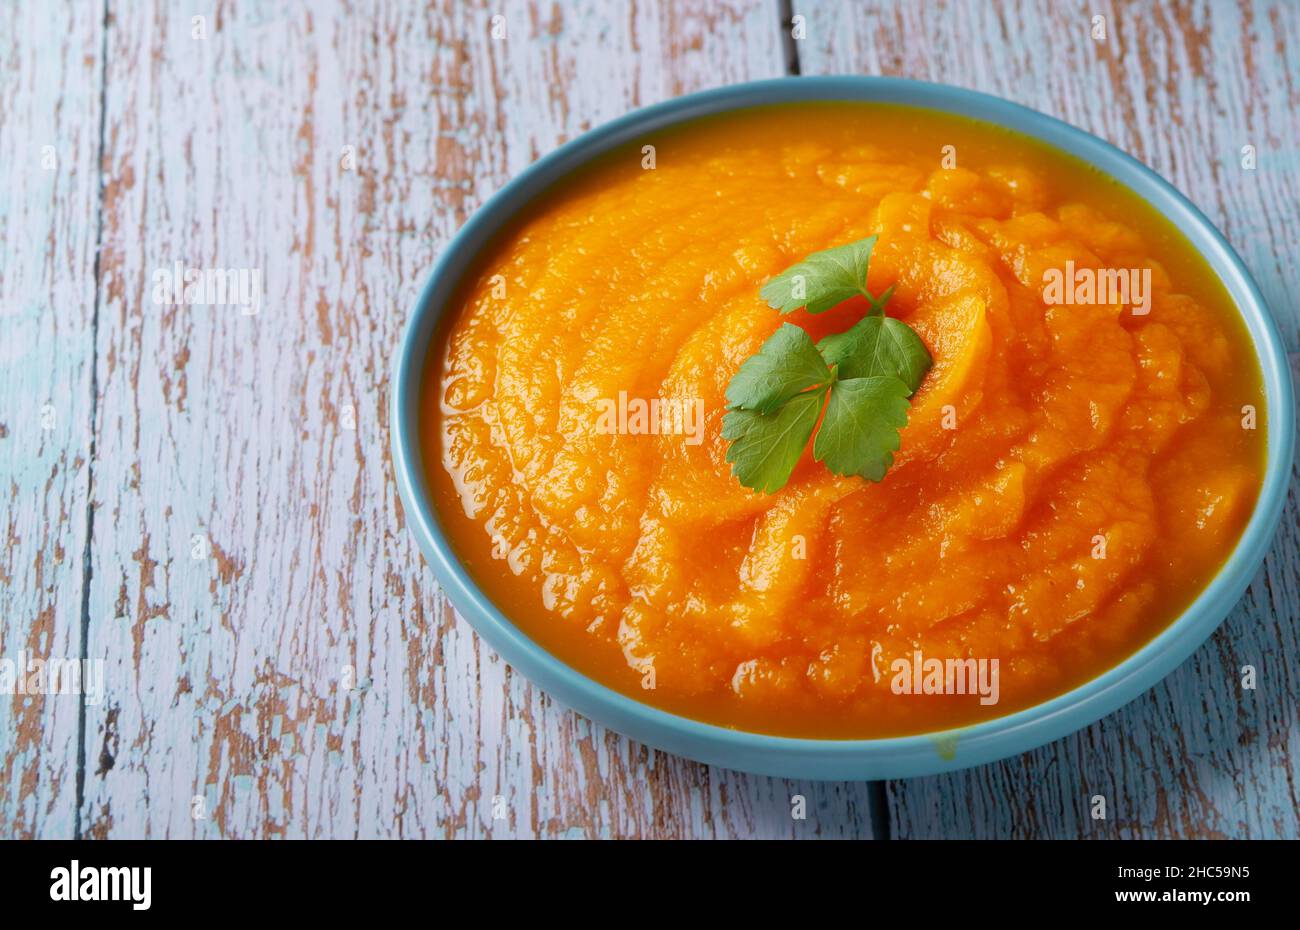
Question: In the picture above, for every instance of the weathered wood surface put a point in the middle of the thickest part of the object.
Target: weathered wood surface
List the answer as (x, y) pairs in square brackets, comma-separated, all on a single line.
[(1181, 86), (249, 560), (50, 80)]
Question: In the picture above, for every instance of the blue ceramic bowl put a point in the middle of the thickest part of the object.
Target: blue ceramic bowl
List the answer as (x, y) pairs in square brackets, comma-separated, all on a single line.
[(841, 759)]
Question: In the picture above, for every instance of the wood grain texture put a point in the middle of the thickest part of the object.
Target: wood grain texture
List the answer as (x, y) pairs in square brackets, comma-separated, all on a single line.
[(1182, 86), (50, 77), (275, 646), (230, 437)]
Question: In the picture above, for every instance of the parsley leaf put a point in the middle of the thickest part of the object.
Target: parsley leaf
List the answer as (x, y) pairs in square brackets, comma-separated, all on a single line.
[(825, 279), (878, 345), (859, 434), (766, 447), (786, 365), (863, 376)]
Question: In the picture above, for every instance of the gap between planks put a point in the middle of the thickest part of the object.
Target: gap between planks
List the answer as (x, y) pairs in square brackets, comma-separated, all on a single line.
[(87, 568), (877, 791)]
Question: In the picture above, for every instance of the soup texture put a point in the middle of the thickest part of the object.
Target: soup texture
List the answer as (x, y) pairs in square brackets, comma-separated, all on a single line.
[(1077, 465)]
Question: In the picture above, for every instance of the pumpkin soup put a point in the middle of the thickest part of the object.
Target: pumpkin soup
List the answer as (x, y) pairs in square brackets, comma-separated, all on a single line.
[(1082, 452)]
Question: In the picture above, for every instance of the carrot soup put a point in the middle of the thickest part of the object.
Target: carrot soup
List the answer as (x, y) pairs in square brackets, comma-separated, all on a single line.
[(1082, 453)]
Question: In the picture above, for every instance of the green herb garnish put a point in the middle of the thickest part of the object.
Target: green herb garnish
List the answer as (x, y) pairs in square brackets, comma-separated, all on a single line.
[(862, 377), (786, 365), (825, 279), (766, 447), (859, 435), (878, 345)]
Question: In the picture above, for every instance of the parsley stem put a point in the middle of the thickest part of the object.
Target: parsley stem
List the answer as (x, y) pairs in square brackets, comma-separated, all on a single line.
[(878, 303)]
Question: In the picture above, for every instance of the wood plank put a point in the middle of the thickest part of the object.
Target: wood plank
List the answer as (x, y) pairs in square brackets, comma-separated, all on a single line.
[(235, 429), (50, 98), (1183, 87)]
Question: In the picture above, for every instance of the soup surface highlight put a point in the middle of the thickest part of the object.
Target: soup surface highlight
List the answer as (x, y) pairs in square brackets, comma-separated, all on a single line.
[(1074, 472)]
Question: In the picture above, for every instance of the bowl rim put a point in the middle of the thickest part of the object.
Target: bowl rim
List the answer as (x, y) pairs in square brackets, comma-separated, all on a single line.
[(890, 757)]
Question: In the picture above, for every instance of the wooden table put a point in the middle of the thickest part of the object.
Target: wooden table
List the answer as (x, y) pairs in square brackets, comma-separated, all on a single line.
[(203, 499)]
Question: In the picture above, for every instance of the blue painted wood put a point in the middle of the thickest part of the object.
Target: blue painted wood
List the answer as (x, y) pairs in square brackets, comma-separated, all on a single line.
[(49, 146), (279, 662)]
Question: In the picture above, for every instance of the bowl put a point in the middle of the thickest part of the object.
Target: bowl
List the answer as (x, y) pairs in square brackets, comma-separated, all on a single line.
[(827, 758)]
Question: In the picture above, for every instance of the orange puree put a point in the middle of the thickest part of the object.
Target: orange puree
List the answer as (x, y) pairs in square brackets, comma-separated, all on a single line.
[(1071, 477)]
